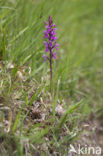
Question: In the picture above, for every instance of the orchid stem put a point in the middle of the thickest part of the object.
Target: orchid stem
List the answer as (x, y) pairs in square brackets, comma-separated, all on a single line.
[(51, 71)]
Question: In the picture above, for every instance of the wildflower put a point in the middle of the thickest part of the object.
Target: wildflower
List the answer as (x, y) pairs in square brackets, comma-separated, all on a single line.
[(51, 45), (49, 36)]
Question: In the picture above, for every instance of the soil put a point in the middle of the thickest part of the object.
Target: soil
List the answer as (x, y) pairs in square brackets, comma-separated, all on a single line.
[(91, 136)]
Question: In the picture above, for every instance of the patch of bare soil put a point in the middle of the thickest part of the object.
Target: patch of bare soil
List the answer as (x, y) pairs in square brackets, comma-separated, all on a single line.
[(91, 136)]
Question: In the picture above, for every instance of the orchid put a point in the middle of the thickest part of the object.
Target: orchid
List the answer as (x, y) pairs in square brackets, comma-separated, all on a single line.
[(51, 45)]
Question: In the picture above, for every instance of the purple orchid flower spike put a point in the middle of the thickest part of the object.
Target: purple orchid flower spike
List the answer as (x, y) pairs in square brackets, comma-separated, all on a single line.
[(50, 42)]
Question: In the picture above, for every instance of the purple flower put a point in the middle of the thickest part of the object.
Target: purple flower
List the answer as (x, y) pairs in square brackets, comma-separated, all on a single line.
[(45, 57), (46, 46), (54, 55), (50, 39)]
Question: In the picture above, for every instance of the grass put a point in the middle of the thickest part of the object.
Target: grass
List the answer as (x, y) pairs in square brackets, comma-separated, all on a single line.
[(77, 74)]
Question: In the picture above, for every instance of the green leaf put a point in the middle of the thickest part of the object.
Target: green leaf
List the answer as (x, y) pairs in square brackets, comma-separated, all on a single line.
[(17, 120), (20, 33), (68, 112)]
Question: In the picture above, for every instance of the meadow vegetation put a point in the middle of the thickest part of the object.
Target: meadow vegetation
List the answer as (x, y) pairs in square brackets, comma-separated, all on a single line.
[(30, 124)]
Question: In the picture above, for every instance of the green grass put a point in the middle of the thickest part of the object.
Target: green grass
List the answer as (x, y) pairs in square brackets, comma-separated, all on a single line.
[(78, 69)]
